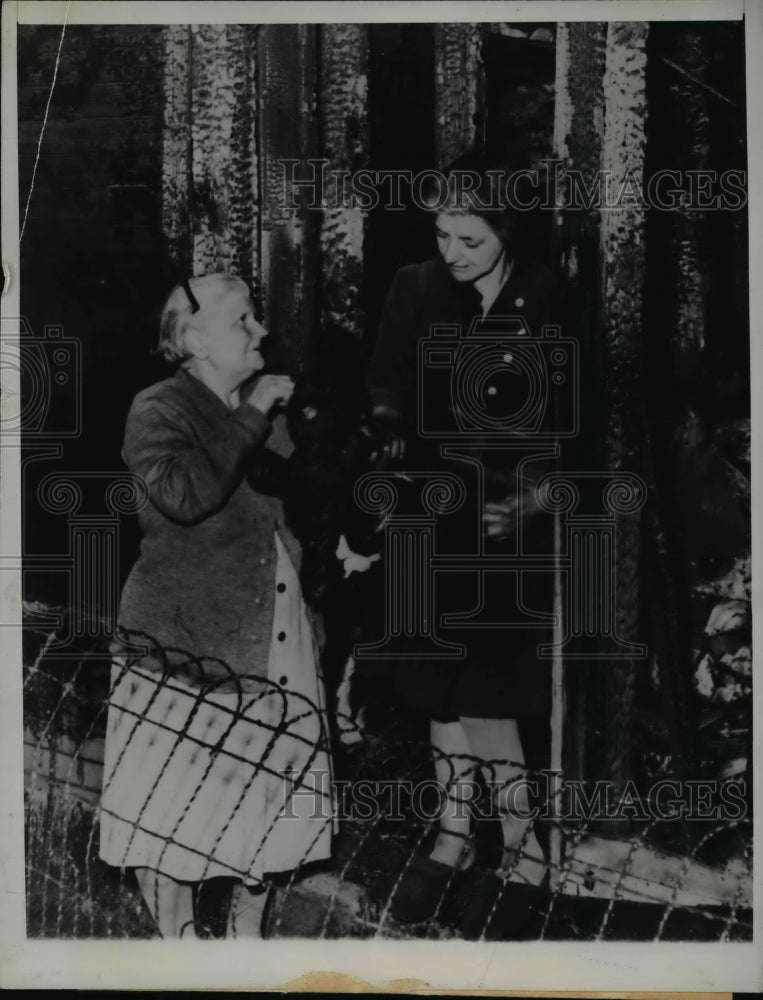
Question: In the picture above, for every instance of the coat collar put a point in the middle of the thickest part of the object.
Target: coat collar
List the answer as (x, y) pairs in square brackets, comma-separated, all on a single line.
[(193, 388), (468, 298)]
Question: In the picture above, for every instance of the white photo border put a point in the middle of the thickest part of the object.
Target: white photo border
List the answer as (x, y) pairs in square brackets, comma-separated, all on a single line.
[(388, 965)]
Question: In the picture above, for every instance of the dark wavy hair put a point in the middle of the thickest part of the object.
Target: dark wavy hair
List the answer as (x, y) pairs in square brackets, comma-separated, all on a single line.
[(482, 183)]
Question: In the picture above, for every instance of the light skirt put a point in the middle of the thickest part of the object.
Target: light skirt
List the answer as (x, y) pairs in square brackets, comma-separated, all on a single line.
[(201, 784)]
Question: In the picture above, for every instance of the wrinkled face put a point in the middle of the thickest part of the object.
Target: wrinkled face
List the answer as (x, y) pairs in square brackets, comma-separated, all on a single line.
[(467, 244), (232, 336)]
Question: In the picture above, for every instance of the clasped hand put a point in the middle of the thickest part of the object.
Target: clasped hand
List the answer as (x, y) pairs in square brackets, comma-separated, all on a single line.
[(501, 518), (268, 390), (389, 442)]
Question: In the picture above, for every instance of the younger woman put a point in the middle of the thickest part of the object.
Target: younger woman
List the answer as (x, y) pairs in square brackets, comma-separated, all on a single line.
[(481, 273)]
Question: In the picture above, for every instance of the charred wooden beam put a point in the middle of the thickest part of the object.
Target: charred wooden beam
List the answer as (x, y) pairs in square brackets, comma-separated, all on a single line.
[(579, 111), (344, 122), (599, 134), (176, 148), (210, 157), (691, 151), (459, 90), (622, 251), (578, 121), (290, 220), (224, 190), (688, 137)]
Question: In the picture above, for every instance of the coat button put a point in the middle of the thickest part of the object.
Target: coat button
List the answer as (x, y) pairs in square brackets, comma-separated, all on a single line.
[(281, 588), (519, 302), (281, 636)]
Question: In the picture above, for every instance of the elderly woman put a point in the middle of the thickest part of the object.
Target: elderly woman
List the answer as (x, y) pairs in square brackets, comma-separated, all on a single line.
[(216, 710), (473, 704)]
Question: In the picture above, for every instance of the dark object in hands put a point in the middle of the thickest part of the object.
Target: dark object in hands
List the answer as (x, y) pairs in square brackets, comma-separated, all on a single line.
[(330, 453), (268, 473), (316, 486), (384, 427)]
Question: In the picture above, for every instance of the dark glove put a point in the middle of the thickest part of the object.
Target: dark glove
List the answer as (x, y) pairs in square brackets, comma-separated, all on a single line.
[(384, 427)]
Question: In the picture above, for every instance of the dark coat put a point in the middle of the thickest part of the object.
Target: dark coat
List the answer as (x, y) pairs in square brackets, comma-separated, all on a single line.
[(501, 676), (205, 579), (425, 294)]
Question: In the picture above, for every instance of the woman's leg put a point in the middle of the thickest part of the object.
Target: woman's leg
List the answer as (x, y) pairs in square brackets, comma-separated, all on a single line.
[(247, 911), (170, 903), (425, 881), (455, 774), (213, 899), (497, 743)]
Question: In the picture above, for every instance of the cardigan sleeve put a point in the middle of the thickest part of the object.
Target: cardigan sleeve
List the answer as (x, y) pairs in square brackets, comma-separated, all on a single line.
[(189, 477)]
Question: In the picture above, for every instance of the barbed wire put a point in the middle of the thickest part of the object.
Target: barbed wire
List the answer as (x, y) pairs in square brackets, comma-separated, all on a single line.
[(71, 892)]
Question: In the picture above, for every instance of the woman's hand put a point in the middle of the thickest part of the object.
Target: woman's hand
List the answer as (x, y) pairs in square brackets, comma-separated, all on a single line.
[(501, 519), (269, 390), (390, 442), (393, 450)]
